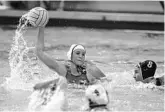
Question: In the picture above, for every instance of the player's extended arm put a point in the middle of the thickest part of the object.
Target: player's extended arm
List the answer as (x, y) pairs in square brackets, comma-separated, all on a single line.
[(45, 58)]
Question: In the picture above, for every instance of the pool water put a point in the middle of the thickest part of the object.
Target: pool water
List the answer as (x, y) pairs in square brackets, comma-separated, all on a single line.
[(115, 52)]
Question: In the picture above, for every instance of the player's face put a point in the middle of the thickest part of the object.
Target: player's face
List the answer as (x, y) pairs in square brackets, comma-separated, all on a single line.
[(137, 74), (78, 56)]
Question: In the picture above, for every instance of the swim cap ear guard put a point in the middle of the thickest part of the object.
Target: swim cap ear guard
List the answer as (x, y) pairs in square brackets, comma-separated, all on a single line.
[(148, 68)]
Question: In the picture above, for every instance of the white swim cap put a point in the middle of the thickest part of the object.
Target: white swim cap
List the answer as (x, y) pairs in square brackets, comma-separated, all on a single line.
[(72, 48), (97, 94)]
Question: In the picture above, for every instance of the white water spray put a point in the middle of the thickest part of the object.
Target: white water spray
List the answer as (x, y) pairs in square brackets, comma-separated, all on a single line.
[(23, 61)]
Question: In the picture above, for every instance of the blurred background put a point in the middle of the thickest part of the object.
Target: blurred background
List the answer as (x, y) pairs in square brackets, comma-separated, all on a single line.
[(93, 6), (106, 14)]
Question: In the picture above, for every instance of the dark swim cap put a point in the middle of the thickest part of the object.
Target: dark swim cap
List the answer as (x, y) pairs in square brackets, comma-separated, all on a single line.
[(148, 68)]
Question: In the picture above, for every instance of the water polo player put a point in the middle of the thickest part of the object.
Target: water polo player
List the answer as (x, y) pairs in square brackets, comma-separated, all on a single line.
[(76, 69), (145, 71)]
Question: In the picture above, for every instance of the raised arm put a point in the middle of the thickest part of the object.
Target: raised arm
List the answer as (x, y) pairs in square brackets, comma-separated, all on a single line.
[(45, 58)]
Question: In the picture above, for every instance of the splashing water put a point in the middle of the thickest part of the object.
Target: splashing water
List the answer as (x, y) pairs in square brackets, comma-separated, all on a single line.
[(23, 61), (48, 100), (25, 71)]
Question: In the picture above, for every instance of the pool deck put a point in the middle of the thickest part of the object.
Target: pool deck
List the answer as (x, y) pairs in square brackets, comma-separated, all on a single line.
[(92, 19)]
